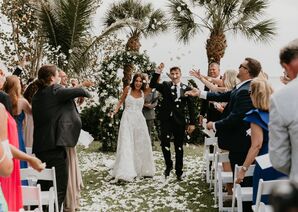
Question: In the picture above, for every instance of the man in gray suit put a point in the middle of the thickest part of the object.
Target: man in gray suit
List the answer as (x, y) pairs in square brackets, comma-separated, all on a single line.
[(148, 110), (283, 125)]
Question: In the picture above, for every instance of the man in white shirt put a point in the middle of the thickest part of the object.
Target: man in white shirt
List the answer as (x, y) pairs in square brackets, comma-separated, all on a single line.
[(283, 125)]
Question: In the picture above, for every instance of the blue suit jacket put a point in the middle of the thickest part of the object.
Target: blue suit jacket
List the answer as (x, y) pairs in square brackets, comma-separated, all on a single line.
[(231, 129)]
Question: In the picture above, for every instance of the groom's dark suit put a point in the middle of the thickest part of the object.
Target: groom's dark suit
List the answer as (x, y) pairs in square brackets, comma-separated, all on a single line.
[(173, 119)]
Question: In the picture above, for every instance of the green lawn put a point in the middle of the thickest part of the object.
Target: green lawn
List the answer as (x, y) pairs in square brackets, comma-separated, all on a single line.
[(191, 194)]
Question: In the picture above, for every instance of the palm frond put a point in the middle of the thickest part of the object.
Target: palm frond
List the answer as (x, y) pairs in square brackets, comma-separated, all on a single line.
[(182, 20), (111, 29), (262, 31), (50, 24), (157, 23)]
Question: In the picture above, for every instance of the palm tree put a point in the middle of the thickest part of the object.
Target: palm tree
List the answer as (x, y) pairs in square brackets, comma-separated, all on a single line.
[(151, 22), (65, 24), (219, 17)]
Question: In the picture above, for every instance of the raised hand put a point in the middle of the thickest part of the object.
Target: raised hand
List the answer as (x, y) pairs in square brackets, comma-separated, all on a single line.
[(193, 92), (87, 83), (160, 68), (195, 73)]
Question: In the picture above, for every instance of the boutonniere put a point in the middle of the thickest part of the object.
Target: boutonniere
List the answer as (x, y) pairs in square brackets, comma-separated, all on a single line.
[(183, 87), (172, 87)]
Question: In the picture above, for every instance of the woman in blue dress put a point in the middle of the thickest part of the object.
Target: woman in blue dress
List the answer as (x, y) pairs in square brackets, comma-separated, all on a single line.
[(20, 107), (260, 92)]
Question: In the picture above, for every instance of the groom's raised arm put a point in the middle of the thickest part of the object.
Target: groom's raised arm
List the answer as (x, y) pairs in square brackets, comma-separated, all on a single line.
[(154, 82)]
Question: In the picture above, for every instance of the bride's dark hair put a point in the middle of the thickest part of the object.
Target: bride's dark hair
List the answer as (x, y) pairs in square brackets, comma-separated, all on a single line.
[(132, 84)]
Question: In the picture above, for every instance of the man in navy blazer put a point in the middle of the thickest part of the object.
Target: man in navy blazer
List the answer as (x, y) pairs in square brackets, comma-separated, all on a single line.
[(231, 130)]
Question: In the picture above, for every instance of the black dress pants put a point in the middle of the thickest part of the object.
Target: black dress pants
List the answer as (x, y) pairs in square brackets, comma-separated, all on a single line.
[(56, 158), (168, 129)]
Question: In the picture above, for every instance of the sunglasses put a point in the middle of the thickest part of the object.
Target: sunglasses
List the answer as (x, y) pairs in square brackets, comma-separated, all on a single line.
[(242, 66)]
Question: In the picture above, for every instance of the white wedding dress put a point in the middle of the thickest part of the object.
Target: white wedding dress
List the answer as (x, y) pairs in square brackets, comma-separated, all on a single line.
[(134, 157)]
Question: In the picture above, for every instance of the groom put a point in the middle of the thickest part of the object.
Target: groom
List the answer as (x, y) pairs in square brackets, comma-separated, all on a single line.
[(172, 116)]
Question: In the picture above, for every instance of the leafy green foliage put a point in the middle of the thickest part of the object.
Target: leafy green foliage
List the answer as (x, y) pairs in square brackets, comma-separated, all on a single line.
[(65, 24)]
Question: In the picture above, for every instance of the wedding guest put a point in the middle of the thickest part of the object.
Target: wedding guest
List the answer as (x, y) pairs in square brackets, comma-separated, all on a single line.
[(57, 124), (151, 100), (231, 128), (260, 92), (11, 185), (284, 197), (172, 117), (208, 110), (63, 78), (6, 163), (28, 122), (75, 181), (4, 98), (283, 124), (20, 107), (134, 157), (229, 81)]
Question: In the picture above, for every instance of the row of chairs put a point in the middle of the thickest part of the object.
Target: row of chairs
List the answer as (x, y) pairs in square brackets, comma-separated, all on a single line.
[(217, 178)]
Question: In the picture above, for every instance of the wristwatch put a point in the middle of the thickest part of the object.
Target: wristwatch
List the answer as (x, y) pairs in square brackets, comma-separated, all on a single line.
[(244, 168)]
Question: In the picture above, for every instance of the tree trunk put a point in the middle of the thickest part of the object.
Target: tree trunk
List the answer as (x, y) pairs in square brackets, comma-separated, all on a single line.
[(132, 45), (215, 47)]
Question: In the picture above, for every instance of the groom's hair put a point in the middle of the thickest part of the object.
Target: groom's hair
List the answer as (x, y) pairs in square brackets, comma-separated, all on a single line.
[(175, 68)]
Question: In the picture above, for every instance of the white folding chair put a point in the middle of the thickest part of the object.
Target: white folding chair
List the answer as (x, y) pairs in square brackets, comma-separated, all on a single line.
[(209, 157), (32, 196), (47, 197), (242, 194), (265, 188), (221, 177)]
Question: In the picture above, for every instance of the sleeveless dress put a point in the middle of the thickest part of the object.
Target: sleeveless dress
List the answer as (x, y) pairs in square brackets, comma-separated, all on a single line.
[(261, 118), (11, 186), (134, 157), (20, 119)]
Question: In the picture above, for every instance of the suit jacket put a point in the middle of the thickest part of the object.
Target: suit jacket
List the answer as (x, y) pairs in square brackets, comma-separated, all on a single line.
[(172, 107), (151, 98), (231, 129), (55, 117), (208, 109), (283, 130), (5, 100)]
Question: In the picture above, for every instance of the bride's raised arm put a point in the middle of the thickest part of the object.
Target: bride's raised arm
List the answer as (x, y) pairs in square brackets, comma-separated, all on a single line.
[(121, 100)]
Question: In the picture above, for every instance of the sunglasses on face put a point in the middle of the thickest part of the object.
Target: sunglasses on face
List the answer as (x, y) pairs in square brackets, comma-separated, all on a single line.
[(242, 66)]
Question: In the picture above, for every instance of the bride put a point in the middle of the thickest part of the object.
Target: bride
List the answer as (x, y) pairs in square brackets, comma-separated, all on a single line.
[(134, 157)]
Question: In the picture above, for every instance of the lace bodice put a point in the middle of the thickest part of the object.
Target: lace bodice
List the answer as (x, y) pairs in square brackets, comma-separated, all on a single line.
[(134, 104)]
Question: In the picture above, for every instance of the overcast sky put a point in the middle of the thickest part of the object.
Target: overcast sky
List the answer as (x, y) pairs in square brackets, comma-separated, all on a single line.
[(165, 48)]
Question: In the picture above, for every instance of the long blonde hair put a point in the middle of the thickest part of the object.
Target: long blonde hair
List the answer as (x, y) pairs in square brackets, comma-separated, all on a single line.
[(12, 87), (231, 79), (261, 91)]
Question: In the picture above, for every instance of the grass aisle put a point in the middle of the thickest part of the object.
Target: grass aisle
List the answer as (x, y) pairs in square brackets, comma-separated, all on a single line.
[(191, 194)]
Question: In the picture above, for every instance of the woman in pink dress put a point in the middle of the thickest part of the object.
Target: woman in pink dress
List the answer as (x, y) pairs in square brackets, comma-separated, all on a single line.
[(11, 186)]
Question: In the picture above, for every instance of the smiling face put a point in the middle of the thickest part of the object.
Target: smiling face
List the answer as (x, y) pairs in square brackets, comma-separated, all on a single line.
[(213, 70), (175, 75), (138, 83)]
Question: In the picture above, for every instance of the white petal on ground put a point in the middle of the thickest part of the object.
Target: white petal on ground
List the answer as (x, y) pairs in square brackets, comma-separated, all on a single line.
[(145, 194)]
